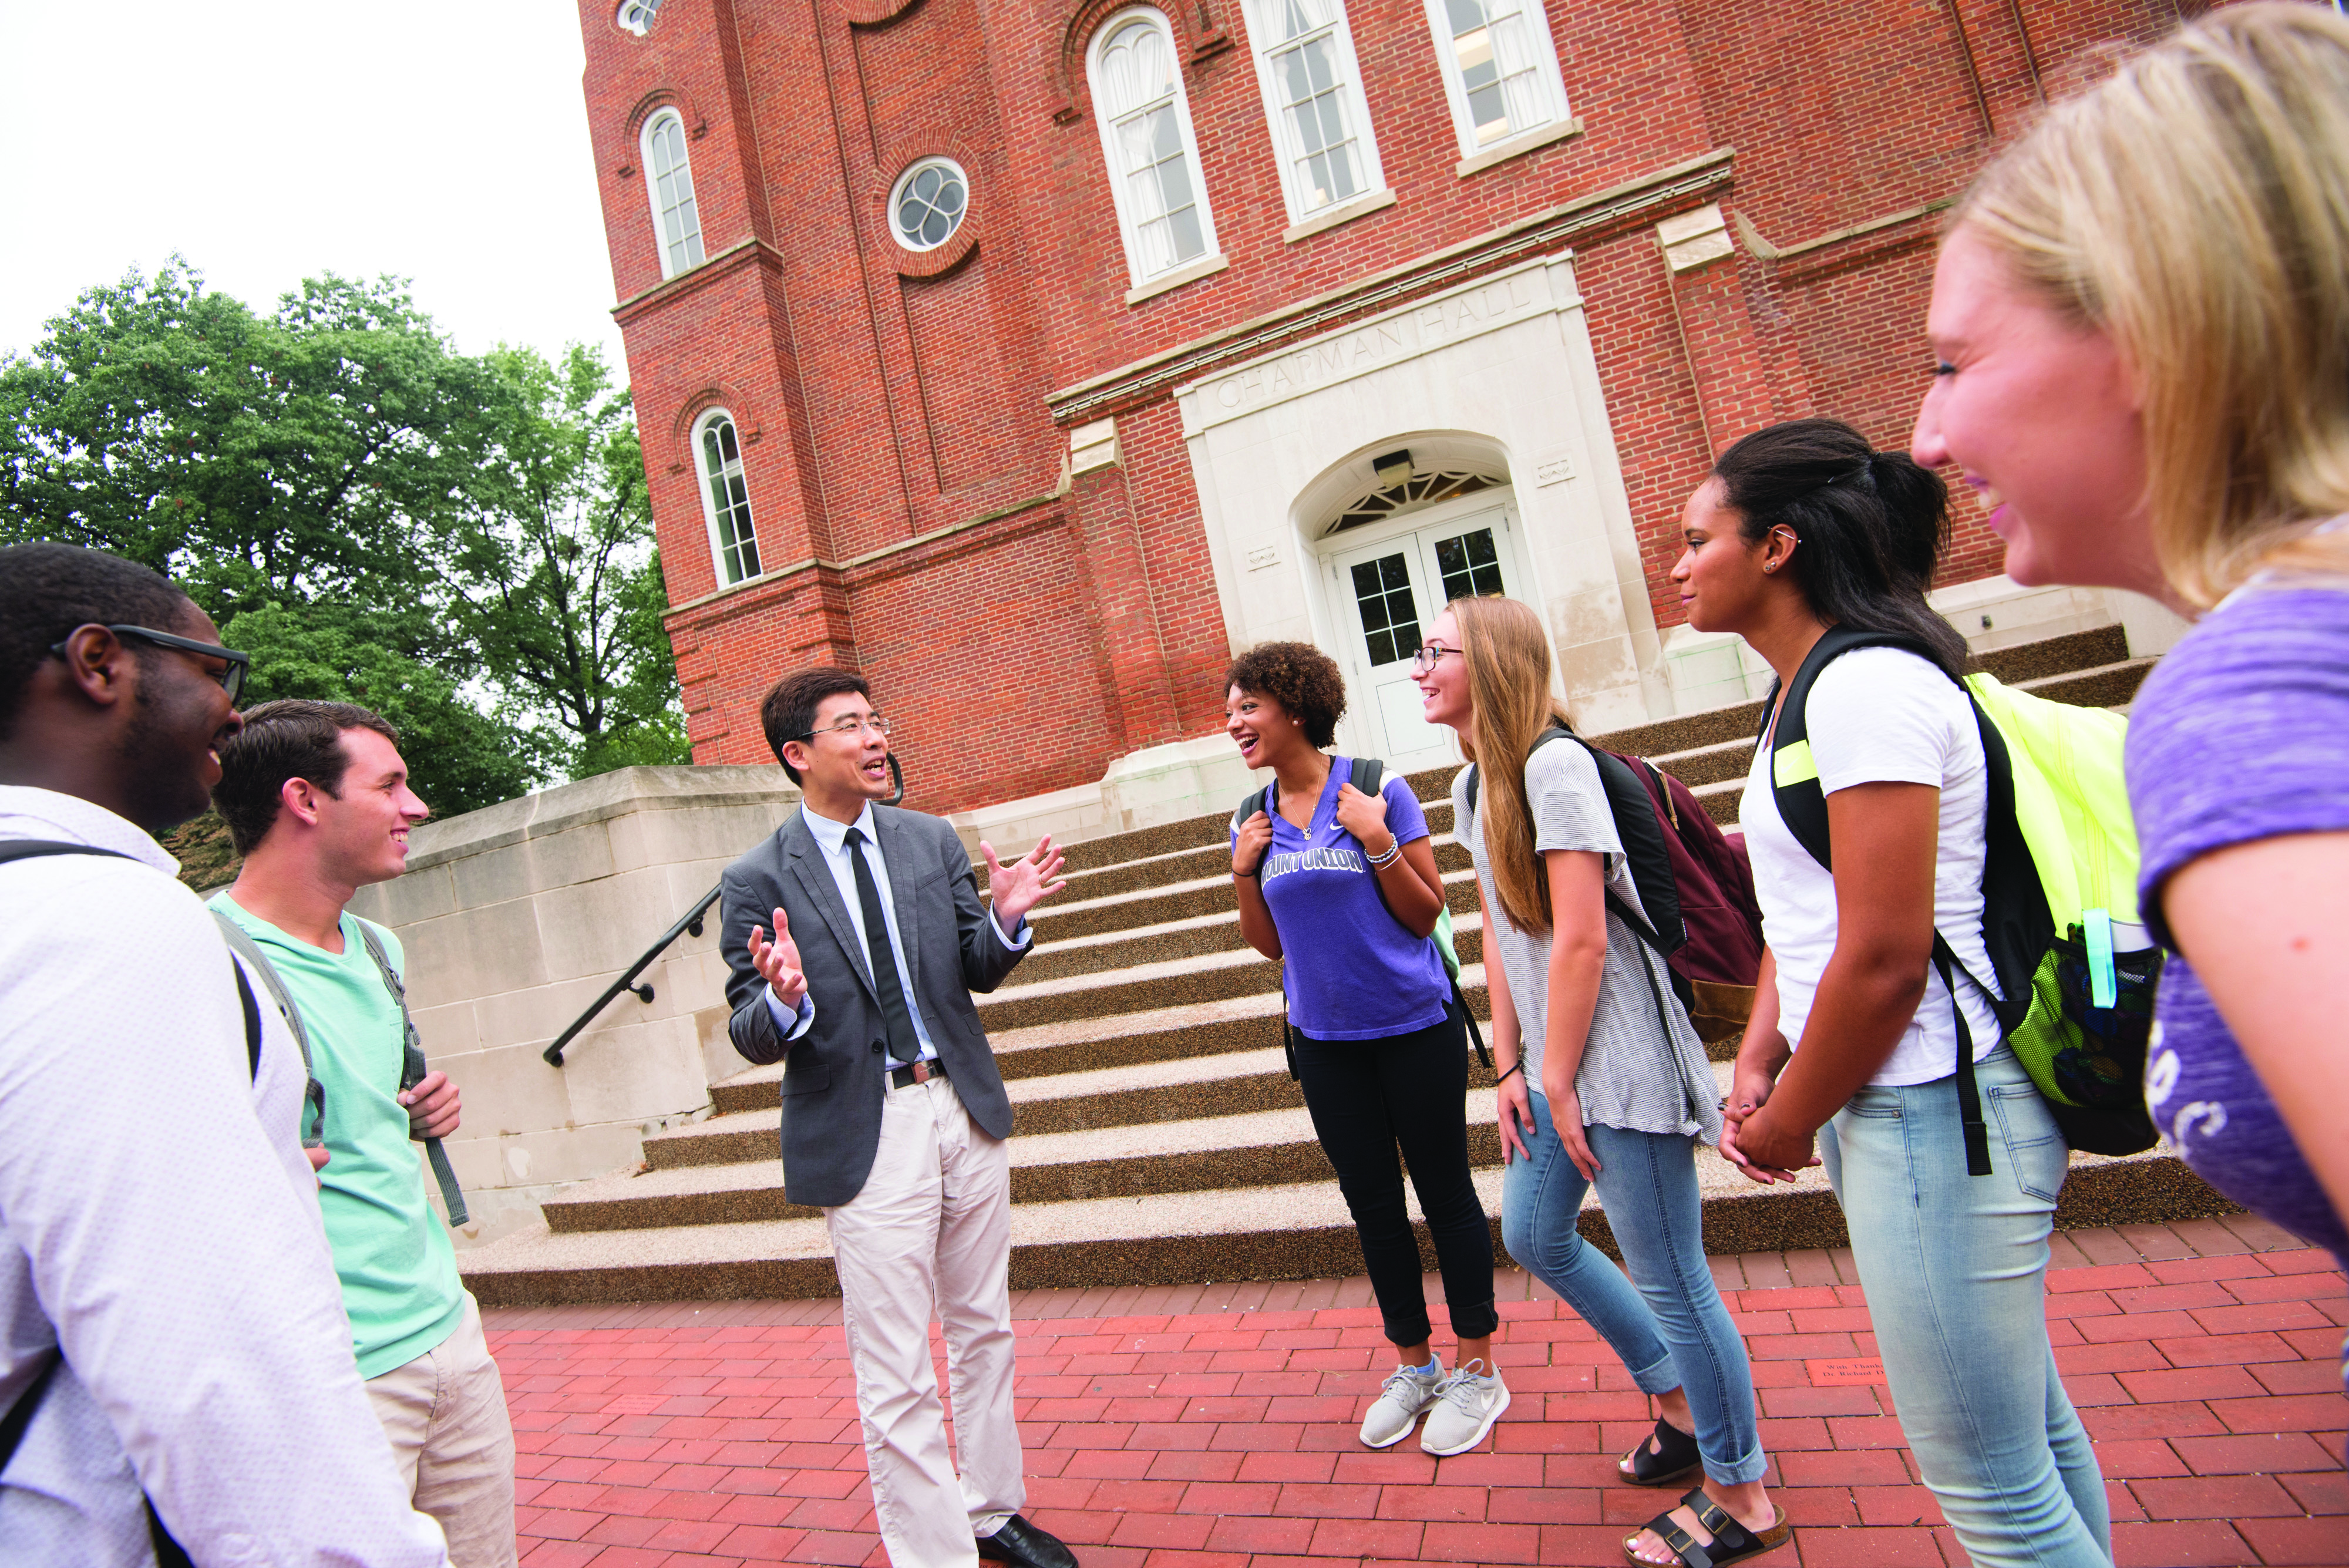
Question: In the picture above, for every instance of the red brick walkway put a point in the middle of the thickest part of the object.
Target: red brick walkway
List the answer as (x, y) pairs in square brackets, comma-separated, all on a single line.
[(1213, 1425)]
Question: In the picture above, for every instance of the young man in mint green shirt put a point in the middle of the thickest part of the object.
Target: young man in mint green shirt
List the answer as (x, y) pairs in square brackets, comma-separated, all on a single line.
[(316, 795)]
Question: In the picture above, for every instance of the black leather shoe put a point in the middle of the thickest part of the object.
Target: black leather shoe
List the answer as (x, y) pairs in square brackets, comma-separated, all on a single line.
[(1021, 1544)]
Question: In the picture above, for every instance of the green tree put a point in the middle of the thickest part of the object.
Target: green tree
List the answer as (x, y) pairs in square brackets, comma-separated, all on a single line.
[(560, 586), (462, 543)]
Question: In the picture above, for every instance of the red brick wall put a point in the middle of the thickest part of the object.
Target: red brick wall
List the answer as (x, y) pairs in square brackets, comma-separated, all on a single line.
[(1035, 632)]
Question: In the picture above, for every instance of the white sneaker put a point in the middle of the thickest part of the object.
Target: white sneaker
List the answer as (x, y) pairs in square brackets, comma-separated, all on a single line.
[(1407, 1393), (1467, 1405)]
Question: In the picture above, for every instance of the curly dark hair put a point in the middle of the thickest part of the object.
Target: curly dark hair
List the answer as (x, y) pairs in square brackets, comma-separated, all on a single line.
[(1303, 680)]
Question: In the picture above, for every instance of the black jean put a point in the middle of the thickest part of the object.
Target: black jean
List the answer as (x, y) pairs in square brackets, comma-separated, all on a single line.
[(1367, 1098)]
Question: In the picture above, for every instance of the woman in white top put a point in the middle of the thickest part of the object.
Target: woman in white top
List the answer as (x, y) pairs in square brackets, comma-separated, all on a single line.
[(1854, 1039)]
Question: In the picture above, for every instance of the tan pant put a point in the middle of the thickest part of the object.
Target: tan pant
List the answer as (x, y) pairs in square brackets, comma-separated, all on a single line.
[(445, 1413), (932, 1226)]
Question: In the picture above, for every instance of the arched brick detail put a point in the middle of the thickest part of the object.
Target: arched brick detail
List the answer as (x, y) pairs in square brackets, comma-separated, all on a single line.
[(715, 395), (696, 124), (1196, 31)]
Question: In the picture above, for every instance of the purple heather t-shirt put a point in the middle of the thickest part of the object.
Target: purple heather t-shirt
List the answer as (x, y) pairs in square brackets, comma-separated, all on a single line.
[(1354, 973), (2241, 733)]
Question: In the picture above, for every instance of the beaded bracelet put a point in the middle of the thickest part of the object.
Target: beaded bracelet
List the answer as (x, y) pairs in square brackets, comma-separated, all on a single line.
[(1381, 862)]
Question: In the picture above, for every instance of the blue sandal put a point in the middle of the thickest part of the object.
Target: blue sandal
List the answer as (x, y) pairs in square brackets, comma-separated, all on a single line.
[(1732, 1541)]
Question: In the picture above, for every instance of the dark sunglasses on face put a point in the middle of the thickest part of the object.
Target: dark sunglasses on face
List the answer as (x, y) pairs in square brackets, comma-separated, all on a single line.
[(232, 679)]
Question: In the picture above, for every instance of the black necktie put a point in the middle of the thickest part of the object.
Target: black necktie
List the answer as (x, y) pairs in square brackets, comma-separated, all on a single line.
[(903, 1044)]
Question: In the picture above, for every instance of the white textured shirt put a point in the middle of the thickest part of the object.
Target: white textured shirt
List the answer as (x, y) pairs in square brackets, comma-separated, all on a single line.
[(832, 840), (158, 1220)]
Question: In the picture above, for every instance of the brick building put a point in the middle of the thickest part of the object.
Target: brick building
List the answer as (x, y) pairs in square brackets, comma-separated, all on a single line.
[(1031, 356)]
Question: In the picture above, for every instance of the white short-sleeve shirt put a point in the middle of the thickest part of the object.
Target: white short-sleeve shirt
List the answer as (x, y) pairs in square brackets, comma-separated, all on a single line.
[(1882, 715)]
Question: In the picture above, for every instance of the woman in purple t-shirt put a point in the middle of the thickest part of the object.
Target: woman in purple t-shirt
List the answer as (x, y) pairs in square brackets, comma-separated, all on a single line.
[(2142, 318), (1343, 888)]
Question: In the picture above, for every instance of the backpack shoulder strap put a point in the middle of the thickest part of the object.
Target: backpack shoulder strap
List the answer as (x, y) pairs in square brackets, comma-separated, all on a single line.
[(1366, 774), (241, 943), (1794, 772), (414, 1069)]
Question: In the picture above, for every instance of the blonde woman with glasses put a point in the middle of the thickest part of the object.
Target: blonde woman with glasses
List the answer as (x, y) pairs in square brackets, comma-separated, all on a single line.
[(2140, 320), (1603, 1081)]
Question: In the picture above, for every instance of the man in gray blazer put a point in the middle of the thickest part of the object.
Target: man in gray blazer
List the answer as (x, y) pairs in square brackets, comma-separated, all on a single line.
[(894, 1115)]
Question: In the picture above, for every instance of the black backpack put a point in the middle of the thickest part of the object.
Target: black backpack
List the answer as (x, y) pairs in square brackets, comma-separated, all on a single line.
[(169, 1554), (1367, 775), (2018, 928)]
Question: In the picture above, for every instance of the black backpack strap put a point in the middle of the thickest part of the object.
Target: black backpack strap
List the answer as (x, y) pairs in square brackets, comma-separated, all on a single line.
[(412, 1072), (1794, 775), (240, 942), (20, 1413), (1969, 1114)]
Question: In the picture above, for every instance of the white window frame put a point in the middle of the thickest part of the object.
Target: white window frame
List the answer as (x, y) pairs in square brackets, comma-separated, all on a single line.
[(1209, 260), (1548, 84), (897, 193), (1268, 36), (691, 242), (635, 17), (738, 470)]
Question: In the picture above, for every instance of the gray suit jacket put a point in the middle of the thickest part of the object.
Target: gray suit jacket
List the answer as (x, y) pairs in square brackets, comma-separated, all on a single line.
[(832, 1077)]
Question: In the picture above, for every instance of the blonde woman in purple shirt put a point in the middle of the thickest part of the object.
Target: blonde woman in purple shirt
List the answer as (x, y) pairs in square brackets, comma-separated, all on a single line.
[(1343, 888), (2141, 319)]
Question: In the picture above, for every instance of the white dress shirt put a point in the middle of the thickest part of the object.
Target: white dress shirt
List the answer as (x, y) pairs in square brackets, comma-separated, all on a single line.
[(158, 1220), (831, 839)]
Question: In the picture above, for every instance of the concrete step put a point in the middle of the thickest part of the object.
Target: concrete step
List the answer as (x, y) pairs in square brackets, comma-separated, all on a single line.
[(1247, 1149), (1277, 1231), (1061, 952)]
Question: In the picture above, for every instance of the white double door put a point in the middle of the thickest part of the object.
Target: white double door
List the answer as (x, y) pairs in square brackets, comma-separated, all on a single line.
[(1386, 590)]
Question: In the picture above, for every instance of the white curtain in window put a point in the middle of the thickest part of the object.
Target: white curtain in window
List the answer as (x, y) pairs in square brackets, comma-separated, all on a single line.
[(1150, 155), (1519, 59)]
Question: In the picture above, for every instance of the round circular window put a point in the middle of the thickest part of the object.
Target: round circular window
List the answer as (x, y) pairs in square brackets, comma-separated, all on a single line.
[(637, 16), (927, 205)]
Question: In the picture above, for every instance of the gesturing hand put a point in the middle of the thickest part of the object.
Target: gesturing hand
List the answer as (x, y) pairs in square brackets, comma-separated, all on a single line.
[(778, 962), (1025, 883)]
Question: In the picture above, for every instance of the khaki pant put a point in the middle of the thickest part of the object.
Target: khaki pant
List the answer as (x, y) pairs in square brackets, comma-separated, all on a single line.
[(445, 1413), (932, 1228)]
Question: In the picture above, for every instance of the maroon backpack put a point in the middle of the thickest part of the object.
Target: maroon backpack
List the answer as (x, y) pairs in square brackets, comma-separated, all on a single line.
[(1722, 960), (1696, 888)]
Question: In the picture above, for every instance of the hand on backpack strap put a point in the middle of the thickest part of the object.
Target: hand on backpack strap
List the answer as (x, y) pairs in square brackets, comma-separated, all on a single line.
[(1365, 817), (1254, 841), (433, 1107)]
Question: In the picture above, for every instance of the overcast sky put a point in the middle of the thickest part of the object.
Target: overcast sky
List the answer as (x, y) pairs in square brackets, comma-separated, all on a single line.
[(274, 140)]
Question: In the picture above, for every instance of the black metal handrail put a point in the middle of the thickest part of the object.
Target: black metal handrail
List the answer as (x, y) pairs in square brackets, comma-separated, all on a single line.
[(689, 925)]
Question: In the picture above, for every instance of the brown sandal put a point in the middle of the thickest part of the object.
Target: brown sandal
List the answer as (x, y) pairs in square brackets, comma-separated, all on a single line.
[(1732, 1541)]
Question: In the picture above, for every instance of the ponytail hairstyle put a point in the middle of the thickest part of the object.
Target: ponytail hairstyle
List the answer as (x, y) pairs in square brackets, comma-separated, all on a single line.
[(1869, 527), (1509, 683)]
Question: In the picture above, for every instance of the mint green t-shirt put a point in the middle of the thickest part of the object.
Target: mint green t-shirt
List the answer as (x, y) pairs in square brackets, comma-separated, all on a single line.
[(397, 1266)]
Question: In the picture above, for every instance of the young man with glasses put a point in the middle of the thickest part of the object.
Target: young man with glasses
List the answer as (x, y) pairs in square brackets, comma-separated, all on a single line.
[(894, 1115), (170, 1323)]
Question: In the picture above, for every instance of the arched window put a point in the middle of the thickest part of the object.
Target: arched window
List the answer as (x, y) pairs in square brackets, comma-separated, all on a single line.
[(1500, 68), (1154, 159), (668, 179), (637, 16), (726, 497), (1313, 96)]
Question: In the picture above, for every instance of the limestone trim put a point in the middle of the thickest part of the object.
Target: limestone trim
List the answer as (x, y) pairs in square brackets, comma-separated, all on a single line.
[(1688, 182), (1360, 206), (1189, 271), (747, 251), (1532, 141), (817, 564)]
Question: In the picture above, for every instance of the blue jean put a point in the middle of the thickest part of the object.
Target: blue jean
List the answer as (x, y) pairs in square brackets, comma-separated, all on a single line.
[(1667, 1321), (1955, 1267)]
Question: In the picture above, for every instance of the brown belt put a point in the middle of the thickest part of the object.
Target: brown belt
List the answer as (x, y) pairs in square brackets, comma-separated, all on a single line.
[(917, 1073)]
